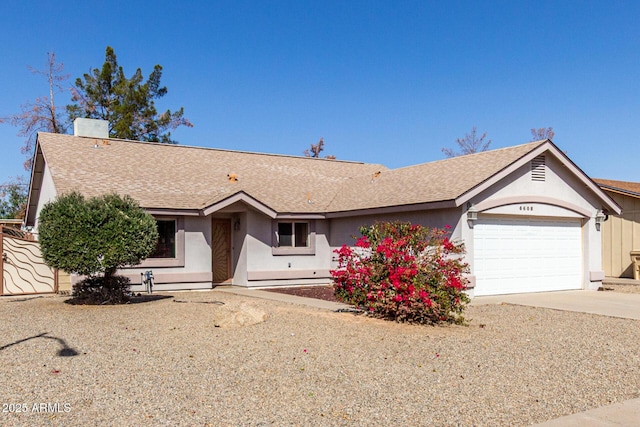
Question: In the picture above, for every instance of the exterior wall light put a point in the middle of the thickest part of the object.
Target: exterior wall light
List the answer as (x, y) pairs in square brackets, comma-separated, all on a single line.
[(600, 218), (472, 216)]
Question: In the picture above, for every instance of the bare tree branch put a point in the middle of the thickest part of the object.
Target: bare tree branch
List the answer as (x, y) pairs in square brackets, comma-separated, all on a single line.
[(470, 144), (542, 133), (316, 149), (40, 115)]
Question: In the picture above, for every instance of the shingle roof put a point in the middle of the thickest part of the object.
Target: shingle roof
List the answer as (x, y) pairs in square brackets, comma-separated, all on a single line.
[(181, 177), (428, 182), (626, 187)]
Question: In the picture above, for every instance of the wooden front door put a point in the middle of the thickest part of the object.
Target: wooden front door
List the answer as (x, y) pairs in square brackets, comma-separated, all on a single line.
[(221, 250)]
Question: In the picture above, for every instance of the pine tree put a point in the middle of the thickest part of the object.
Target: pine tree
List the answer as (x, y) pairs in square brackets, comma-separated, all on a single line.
[(128, 104)]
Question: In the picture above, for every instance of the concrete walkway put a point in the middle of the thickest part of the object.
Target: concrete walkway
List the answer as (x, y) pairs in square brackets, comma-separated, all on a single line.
[(620, 414)]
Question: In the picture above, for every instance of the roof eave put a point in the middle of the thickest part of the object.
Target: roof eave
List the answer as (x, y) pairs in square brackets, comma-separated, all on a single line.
[(240, 196), (608, 203), (172, 211), (512, 167), (35, 185), (443, 204), (621, 191)]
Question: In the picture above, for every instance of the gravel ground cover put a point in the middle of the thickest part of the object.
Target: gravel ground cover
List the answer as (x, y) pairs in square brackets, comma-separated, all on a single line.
[(624, 288), (217, 359)]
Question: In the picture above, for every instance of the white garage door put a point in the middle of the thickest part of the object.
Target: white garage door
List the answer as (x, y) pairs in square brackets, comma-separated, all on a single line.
[(527, 255)]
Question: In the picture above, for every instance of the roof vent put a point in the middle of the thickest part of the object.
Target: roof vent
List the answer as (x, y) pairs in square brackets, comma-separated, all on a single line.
[(538, 169), (233, 177), (92, 128)]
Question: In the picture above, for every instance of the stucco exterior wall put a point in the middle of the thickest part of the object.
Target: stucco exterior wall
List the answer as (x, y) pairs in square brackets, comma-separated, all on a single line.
[(560, 195), (621, 235), (47, 194), (559, 184), (342, 229), (196, 273), (258, 266)]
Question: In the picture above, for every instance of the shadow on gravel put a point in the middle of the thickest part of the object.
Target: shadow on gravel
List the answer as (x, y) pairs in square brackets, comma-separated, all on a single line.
[(136, 299), (139, 298), (65, 351), (24, 299)]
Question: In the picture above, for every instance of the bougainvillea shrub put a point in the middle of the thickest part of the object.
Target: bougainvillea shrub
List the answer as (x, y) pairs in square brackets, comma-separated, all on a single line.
[(404, 272)]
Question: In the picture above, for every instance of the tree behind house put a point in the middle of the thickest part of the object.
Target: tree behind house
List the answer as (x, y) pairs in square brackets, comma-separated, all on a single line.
[(41, 115), (128, 104), (13, 199), (542, 133), (316, 149), (470, 144)]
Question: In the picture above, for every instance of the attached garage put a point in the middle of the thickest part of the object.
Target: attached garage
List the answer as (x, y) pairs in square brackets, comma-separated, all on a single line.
[(515, 255)]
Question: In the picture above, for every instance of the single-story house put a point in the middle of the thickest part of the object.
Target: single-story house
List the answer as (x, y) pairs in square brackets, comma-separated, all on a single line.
[(621, 234), (529, 217)]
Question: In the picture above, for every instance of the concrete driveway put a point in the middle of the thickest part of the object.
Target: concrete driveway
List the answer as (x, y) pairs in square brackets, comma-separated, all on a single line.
[(614, 304)]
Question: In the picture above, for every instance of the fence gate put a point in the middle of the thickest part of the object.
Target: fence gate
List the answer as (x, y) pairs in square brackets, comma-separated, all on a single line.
[(22, 269)]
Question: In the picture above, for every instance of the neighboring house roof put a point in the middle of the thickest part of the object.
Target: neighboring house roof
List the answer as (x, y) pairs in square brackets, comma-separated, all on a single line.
[(622, 187), (177, 177)]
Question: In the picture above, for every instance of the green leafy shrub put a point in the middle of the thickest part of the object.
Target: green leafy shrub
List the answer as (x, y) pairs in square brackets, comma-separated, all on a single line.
[(94, 237), (403, 272)]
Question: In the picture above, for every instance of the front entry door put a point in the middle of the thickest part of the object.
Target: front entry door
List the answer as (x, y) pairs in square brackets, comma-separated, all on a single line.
[(221, 250)]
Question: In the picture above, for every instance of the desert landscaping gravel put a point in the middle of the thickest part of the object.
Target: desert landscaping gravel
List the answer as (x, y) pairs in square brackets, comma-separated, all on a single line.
[(218, 359)]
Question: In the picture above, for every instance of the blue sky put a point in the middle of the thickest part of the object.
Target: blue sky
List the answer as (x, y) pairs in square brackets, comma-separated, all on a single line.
[(383, 82)]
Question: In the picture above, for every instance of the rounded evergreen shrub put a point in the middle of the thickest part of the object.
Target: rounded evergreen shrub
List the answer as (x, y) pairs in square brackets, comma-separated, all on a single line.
[(94, 237), (403, 272)]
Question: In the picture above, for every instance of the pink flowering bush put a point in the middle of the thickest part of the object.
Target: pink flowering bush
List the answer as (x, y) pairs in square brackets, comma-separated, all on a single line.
[(404, 272)]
